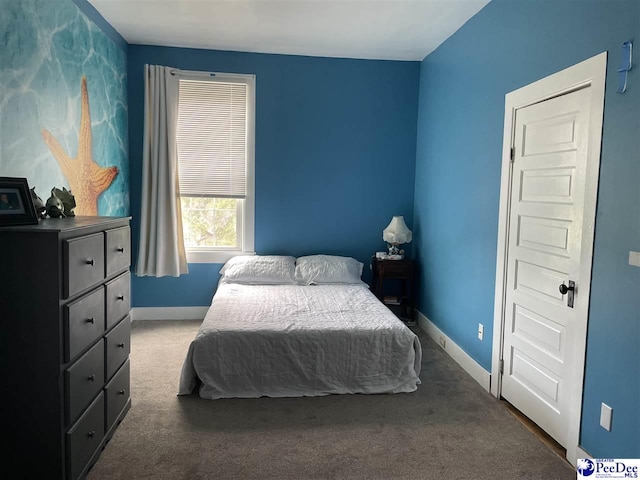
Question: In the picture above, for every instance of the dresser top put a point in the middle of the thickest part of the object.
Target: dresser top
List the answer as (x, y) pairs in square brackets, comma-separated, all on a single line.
[(67, 224)]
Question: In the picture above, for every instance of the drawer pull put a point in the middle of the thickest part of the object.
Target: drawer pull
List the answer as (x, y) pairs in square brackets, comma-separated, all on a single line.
[(91, 320), (121, 298), (91, 378), (91, 434), (120, 249), (121, 345), (121, 392), (90, 261)]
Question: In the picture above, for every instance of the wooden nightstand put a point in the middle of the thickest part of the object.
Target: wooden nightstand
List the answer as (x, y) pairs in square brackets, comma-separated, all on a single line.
[(401, 301)]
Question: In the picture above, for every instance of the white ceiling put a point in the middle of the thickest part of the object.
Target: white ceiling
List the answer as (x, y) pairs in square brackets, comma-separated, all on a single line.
[(371, 29)]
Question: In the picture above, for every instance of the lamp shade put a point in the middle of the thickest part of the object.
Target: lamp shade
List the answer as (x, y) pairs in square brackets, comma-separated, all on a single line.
[(397, 231)]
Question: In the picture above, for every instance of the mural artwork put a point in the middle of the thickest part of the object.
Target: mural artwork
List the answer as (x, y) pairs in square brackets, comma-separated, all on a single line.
[(63, 105), (86, 178)]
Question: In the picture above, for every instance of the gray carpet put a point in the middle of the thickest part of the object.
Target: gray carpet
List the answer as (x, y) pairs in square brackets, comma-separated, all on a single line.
[(450, 428)]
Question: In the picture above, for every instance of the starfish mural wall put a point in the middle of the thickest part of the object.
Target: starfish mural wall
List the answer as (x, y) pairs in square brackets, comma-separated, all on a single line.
[(86, 178), (52, 132)]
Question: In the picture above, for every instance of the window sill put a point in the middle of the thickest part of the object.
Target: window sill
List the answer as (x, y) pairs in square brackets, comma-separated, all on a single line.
[(211, 256)]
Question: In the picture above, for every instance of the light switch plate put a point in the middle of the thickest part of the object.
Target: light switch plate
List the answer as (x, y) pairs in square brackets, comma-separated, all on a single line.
[(634, 259), (605, 416)]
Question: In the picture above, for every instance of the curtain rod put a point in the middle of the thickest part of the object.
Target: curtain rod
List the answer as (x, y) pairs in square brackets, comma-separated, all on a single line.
[(194, 73)]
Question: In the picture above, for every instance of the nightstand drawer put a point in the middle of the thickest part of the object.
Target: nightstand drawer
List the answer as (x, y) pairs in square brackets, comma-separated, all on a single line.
[(117, 394), (84, 322), (84, 263), (396, 269), (85, 437), (83, 380), (118, 249), (118, 299), (117, 345)]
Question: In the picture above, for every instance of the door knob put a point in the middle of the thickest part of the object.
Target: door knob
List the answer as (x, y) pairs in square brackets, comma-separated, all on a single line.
[(564, 289)]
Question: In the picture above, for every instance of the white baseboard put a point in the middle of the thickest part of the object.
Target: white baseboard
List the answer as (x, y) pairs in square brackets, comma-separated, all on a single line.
[(581, 453), (573, 454), (168, 313), (461, 357)]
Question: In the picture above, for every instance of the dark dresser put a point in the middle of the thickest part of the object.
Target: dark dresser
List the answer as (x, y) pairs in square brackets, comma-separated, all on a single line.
[(64, 342)]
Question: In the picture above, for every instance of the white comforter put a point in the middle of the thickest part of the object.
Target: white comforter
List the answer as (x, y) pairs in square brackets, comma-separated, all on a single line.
[(290, 341)]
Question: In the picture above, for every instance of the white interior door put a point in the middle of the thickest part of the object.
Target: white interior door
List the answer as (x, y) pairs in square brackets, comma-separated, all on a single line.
[(548, 193), (546, 221)]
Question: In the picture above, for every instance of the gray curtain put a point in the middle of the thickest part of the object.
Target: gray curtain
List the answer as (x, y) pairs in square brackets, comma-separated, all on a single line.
[(161, 250)]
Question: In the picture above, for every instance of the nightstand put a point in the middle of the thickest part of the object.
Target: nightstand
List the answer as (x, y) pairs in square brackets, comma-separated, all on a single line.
[(400, 300)]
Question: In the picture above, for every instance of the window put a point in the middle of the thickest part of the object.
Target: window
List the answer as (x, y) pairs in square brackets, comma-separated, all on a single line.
[(215, 142)]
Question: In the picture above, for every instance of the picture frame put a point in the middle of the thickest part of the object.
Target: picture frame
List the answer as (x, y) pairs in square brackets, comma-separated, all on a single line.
[(16, 204)]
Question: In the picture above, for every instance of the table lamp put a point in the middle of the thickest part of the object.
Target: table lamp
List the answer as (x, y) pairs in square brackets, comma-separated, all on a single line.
[(396, 234)]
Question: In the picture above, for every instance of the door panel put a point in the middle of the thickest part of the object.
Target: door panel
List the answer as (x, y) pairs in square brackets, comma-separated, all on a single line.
[(550, 135), (539, 282), (545, 230), (544, 235), (541, 332), (535, 376), (547, 185)]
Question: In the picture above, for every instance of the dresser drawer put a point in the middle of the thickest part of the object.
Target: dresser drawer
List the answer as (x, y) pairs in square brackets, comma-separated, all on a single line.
[(83, 380), (118, 299), (117, 394), (117, 249), (117, 345), (84, 322), (83, 263), (84, 438)]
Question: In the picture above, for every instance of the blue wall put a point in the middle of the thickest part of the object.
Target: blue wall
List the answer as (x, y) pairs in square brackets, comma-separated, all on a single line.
[(92, 14), (507, 45), (46, 47), (335, 156)]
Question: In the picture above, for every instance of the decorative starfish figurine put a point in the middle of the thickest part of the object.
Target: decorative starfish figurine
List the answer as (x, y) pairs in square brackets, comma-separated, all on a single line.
[(86, 178)]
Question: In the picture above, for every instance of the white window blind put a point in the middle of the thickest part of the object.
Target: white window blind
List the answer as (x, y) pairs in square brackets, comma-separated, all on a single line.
[(212, 139)]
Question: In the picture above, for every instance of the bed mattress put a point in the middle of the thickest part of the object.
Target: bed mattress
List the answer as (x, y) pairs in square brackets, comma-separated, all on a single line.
[(290, 341)]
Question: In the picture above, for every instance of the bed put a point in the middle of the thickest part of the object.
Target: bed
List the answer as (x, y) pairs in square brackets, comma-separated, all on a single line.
[(289, 334)]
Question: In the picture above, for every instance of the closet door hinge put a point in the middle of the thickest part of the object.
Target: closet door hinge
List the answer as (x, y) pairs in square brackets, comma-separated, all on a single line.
[(513, 154), (501, 367)]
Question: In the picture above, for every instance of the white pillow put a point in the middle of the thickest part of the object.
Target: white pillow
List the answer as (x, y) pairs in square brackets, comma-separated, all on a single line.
[(327, 269), (259, 270)]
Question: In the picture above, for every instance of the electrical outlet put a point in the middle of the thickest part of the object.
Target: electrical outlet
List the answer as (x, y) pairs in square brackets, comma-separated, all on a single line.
[(605, 416), (443, 342), (480, 331)]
